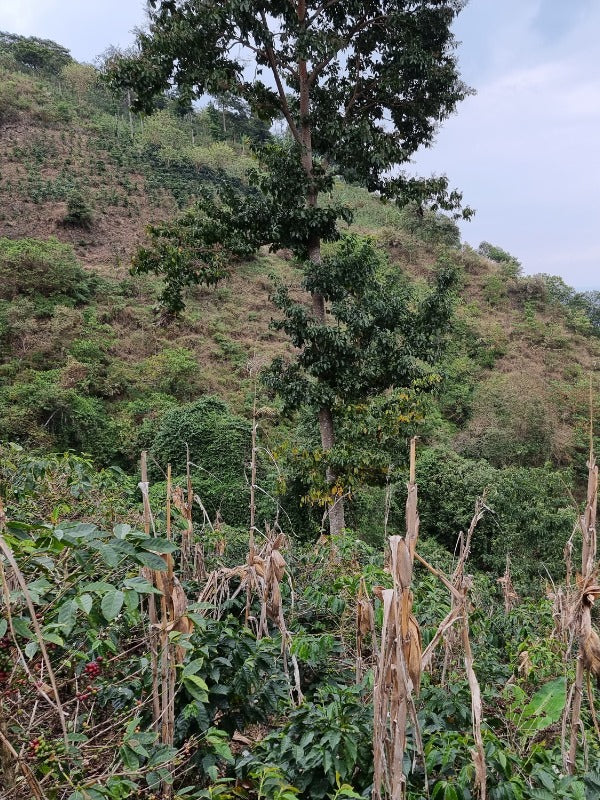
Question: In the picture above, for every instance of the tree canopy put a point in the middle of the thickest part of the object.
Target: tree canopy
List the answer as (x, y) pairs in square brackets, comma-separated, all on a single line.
[(361, 86), (381, 334), (32, 53), (364, 84)]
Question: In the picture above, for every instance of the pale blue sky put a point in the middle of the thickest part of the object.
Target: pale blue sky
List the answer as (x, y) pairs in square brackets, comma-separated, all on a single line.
[(524, 150)]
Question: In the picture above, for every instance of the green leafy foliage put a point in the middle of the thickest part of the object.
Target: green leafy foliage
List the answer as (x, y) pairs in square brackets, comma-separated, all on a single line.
[(34, 267), (381, 337), (511, 267), (219, 446), (232, 118), (86, 587), (79, 212), (60, 414), (544, 709), (531, 515), (512, 423), (323, 742), (583, 307), (432, 227), (196, 248), (84, 367), (367, 63), (233, 679), (32, 53), (416, 74)]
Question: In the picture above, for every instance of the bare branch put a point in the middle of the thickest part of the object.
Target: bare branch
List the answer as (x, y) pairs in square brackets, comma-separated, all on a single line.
[(285, 108)]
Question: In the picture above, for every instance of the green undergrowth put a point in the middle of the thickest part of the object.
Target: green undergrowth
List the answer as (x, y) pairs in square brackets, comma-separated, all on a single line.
[(75, 535)]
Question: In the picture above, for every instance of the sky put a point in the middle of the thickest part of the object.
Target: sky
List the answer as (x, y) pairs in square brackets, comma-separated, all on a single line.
[(524, 150)]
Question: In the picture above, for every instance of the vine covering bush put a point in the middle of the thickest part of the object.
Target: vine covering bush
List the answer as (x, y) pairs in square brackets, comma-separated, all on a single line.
[(47, 268)]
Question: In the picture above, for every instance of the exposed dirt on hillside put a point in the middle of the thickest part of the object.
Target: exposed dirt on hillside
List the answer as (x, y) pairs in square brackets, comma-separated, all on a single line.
[(33, 161)]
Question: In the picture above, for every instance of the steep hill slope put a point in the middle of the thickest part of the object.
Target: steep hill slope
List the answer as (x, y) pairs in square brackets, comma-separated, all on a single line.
[(96, 370), (206, 642)]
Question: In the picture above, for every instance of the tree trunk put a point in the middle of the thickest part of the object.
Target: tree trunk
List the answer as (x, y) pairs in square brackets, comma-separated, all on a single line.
[(335, 509)]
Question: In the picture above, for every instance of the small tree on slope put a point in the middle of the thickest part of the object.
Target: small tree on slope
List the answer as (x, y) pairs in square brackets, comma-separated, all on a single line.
[(361, 84)]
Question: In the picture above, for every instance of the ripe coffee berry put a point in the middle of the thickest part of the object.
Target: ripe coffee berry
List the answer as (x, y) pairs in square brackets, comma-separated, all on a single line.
[(92, 670)]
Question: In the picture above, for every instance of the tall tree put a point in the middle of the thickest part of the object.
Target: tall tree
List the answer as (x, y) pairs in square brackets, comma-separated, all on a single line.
[(38, 55), (382, 334), (361, 84)]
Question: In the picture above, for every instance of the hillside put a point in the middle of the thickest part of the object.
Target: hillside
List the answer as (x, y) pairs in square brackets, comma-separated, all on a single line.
[(276, 641), (59, 141)]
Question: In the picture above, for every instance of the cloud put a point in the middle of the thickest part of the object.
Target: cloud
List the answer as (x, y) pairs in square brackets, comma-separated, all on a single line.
[(86, 28), (524, 149), (17, 17)]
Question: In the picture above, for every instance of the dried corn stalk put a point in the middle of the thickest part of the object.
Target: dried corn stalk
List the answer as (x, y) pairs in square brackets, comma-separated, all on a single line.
[(9, 757), (398, 668), (172, 617), (560, 612), (260, 577), (511, 598), (581, 601), (459, 586), (192, 555), (365, 626), (462, 584)]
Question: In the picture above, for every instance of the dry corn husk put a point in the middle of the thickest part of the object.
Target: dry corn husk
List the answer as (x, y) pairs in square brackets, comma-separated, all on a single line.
[(511, 598), (364, 616), (525, 664), (590, 644), (398, 668), (459, 588), (581, 599), (412, 653), (365, 625), (278, 564)]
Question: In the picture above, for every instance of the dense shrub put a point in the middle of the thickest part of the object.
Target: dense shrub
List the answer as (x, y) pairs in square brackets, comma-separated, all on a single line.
[(323, 743), (164, 134), (172, 371), (244, 678), (530, 518), (513, 422), (12, 101), (43, 268), (511, 267), (79, 211), (583, 308), (140, 421), (81, 78), (430, 226), (495, 290), (219, 444), (40, 409)]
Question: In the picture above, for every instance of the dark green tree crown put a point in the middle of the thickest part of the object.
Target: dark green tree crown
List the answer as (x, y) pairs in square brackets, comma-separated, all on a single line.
[(379, 334), (372, 79), (230, 222)]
